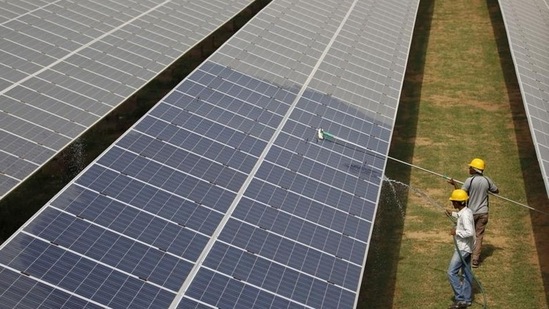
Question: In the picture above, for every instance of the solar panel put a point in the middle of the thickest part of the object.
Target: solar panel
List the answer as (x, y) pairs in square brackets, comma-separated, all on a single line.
[(66, 64), (222, 196), (527, 28)]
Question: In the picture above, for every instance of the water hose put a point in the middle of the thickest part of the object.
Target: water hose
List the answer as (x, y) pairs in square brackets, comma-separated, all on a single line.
[(323, 135)]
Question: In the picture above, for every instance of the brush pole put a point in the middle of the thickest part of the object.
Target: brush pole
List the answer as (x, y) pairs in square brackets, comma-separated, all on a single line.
[(332, 138)]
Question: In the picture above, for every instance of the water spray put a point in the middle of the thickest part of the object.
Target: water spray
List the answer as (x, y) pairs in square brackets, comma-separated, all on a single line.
[(323, 135)]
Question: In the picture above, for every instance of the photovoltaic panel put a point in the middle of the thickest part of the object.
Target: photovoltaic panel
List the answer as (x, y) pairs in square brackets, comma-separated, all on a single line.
[(66, 64), (527, 25), (222, 196)]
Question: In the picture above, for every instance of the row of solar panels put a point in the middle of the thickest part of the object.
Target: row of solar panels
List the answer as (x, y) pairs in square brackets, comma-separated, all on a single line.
[(222, 196), (67, 64), (527, 25)]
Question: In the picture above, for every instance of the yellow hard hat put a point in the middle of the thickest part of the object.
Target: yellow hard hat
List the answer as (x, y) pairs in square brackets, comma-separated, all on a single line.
[(459, 195), (477, 163)]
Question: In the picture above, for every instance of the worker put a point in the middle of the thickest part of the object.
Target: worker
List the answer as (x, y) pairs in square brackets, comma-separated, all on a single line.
[(464, 234), (478, 188)]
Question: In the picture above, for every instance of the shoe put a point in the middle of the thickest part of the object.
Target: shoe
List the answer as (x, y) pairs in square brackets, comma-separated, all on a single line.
[(459, 305), (475, 264)]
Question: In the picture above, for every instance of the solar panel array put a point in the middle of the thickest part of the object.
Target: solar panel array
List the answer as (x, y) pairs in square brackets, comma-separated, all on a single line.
[(66, 64), (527, 25), (222, 196)]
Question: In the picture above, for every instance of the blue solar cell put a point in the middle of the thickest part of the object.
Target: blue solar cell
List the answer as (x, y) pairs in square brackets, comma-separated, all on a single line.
[(35, 294), (132, 257), (252, 295), (172, 238), (73, 273), (296, 254), (187, 303)]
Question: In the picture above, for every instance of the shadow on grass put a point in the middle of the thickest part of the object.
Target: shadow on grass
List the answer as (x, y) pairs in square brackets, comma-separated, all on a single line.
[(378, 283), (536, 194), (488, 250)]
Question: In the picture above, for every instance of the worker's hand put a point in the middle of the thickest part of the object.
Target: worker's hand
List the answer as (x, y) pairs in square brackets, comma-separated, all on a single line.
[(453, 232), (452, 182), (448, 213)]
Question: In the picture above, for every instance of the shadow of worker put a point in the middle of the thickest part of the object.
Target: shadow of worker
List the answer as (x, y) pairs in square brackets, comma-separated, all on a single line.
[(487, 251)]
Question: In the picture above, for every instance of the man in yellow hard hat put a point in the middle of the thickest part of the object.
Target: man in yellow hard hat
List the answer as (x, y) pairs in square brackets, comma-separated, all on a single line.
[(464, 233), (478, 188)]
